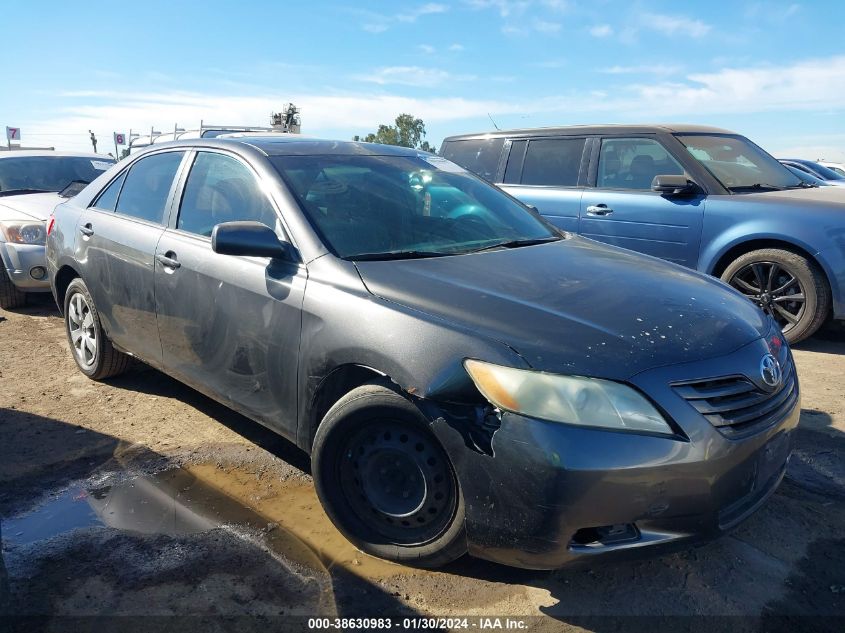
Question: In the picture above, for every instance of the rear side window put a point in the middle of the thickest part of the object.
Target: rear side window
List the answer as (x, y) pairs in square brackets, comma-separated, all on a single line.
[(108, 198), (480, 156), (147, 186), (221, 189), (553, 162)]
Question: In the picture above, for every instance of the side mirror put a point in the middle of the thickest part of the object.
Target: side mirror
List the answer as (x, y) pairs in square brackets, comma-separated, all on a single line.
[(673, 185), (248, 238)]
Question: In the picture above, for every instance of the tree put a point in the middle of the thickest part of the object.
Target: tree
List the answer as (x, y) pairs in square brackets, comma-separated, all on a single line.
[(407, 132)]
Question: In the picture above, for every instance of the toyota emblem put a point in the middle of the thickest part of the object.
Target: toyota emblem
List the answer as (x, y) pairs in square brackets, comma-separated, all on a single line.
[(770, 371)]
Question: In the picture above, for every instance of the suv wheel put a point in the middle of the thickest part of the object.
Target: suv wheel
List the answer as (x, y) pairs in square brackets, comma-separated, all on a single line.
[(385, 481), (92, 350), (785, 285), (10, 295)]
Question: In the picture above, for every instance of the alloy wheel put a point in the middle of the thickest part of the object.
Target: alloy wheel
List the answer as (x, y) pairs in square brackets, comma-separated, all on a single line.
[(776, 290), (82, 329)]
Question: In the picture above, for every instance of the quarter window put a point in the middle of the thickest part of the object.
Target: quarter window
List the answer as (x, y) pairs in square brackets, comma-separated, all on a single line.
[(108, 198), (221, 189), (553, 162), (147, 187), (480, 156), (632, 163)]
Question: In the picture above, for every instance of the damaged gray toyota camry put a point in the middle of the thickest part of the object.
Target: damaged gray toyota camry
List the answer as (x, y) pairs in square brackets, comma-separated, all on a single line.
[(466, 377)]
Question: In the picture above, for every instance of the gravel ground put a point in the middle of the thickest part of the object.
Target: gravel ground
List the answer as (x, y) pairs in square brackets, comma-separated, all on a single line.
[(141, 496)]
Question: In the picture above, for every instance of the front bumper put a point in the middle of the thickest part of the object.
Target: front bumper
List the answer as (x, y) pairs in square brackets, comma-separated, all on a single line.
[(551, 494), (19, 260)]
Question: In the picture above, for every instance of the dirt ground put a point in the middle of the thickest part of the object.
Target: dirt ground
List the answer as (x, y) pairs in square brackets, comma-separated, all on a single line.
[(141, 497)]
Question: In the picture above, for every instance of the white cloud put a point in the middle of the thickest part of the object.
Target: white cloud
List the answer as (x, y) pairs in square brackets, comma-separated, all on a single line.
[(412, 76), (543, 26), (644, 69), (504, 7), (380, 22), (426, 48), (675, 25), (601, 30), (456, 47)]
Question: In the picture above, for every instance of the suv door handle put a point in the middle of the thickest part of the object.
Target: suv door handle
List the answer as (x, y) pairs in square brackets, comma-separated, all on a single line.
[(86, 230), (168, 260), (599, 209)]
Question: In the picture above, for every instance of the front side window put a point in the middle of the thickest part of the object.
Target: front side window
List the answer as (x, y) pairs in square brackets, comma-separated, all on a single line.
[(28, 174), (632, 163), (221, 189), (553, 162), (386, 207), (738, 163), (480, 155), (147, 186), (108, 199)]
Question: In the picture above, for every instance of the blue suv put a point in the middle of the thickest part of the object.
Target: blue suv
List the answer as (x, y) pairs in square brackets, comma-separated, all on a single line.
[(701, 197)]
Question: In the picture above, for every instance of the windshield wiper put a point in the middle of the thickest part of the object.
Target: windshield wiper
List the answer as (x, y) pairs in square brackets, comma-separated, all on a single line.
[(372, 257), (14, 192), (516, 243), (759, 186)]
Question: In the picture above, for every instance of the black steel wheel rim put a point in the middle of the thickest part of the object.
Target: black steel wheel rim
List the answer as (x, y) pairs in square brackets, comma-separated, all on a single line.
[(775, 289), (398, 482)]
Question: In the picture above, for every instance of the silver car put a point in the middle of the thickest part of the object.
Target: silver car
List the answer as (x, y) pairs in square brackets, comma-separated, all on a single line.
[(31, 184)]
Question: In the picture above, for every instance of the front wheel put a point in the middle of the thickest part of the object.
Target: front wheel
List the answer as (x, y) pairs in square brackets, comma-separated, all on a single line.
[(10, 295), (786, 285), (385, 481), (92, 350)]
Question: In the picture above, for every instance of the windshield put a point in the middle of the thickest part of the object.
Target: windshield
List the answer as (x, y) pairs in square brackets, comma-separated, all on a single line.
[(48, 173), (385, 207), (825, 172), (738, 163)]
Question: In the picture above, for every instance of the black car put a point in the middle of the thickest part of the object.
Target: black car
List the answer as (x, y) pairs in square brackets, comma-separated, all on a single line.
[(465, 376)]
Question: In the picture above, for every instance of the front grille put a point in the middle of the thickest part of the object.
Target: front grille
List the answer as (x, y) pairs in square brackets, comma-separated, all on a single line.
[(734, 404)]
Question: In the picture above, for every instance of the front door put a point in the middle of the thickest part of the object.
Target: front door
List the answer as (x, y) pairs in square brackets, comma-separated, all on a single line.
[(229, 325), (118, 236), (623, 210)]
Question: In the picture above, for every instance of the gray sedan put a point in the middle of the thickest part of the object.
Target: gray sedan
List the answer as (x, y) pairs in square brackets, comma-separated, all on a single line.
[(465, 376)]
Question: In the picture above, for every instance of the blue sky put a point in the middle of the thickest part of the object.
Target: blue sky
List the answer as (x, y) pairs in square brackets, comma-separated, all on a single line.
[(774, 71)]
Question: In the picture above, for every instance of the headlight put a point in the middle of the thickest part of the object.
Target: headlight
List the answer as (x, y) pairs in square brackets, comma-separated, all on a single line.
[(570, 399), (24, 232)]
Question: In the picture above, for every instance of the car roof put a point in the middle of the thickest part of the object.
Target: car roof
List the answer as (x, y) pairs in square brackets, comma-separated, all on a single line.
[(608, 128), (276, 144), (18, 153)]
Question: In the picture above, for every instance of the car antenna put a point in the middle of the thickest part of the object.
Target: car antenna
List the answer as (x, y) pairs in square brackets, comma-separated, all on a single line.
[(493, 122)]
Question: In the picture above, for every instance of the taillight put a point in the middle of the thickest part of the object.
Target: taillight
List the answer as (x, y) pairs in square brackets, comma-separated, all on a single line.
[(50, 223)]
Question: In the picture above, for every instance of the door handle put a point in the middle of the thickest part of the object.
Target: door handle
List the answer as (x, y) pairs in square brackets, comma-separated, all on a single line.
[(86, 230), (168, 260), (599, 209)]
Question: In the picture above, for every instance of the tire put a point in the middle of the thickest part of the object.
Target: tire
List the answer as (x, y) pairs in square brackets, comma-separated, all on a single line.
[(98, 359), (770, 275), (10, 295), (385, 481)]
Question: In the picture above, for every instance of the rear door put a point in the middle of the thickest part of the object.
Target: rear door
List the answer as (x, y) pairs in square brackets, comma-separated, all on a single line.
[(548, 173), (116, 247), (229, 325), (621, 209)]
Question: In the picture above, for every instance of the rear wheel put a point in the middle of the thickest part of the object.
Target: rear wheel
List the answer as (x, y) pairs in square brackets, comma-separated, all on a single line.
[(92, 350), (10, 295), (786, 285), (385, 481)]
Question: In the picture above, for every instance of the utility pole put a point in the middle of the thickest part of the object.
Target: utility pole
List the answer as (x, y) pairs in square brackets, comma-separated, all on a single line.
[(93, 140)]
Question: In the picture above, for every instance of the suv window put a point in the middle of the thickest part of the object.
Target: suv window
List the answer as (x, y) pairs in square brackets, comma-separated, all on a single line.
[(221, 189), (480, 156), (108, 198), (147, 186), (632, 163), (553, 162)]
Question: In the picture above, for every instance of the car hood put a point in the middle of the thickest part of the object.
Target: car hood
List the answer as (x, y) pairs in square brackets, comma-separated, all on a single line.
[(832, 197), (576, 306), (37, 206)]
